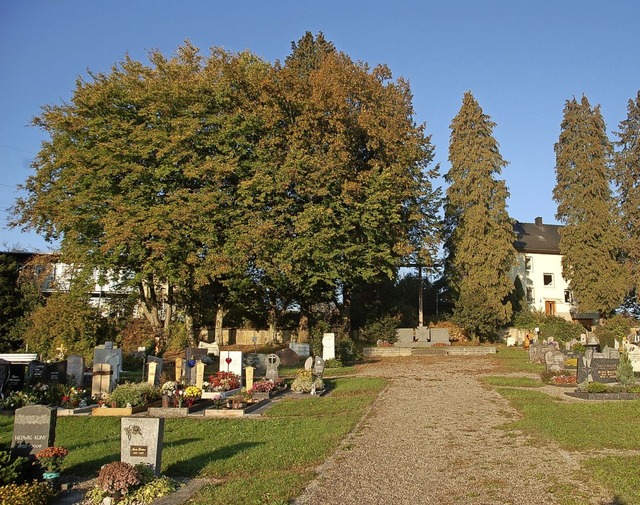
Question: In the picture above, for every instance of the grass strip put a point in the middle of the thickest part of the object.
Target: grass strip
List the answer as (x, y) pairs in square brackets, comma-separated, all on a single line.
[(514, 359), (259, 461), (517, 382), (619, 474)]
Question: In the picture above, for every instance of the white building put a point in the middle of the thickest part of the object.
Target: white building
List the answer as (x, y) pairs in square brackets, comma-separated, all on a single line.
[(539, 267)]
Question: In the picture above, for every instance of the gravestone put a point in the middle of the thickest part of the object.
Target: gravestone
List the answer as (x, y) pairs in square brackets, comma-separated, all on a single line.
[(328, 346), (154, 378), (439, 336), (597, 369), (34, 428), (101, 380), (511, 341), (308, 364), (257, 361), (212, 348), (141, 441), (634, 357), (56, 373), (109, 355), (288, 357), (302, 350), (406, 335), (4, 374), (248, 374), (36, 371), (318, 366), (75, 369), (199, 374), (15, 380), (231, 361), (554, 360), (273, 362), (179, 369)]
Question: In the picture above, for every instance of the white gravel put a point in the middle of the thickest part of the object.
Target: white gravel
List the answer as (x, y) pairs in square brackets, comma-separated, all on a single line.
[(433, 437)]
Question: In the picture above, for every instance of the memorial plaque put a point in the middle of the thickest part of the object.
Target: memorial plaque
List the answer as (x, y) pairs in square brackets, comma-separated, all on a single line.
[(141, 441), (34, 428), (604, 370)]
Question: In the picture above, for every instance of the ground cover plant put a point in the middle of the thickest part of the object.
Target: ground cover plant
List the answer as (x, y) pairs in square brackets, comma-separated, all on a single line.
[(266, 460)]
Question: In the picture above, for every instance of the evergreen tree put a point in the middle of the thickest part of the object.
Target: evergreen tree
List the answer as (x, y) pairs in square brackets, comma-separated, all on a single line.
[(627, 164), (591, 239), (480, 234)]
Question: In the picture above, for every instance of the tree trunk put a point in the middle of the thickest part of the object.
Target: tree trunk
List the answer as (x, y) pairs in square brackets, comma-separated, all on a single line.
[(346, 311)]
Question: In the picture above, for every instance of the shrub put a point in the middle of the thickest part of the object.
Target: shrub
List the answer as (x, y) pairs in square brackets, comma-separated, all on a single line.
[(133, 394), (36, 493), (333, 363), (597, 387), (304, 382), (118, 478), (148, 493), (383, 328), (560, 329), (347, 352), (12, 470), (456, 332), (624, 372), (612, 329)]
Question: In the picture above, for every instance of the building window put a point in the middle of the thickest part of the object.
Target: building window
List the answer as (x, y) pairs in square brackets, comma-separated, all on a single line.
[(528, 263), (567, 296), (530, 297), (547, 280)]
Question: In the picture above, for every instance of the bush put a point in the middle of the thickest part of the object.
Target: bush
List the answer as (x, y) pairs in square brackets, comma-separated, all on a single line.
[(383, 328), (624, 372), (348, 352), (597, 387), (612, 329), (560, 329), (12, 470), (133, 394), (118, 478), (36, 493), (333, 363)]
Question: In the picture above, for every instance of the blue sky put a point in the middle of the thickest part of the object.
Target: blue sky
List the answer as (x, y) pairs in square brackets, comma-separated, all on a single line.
[(522, 61)]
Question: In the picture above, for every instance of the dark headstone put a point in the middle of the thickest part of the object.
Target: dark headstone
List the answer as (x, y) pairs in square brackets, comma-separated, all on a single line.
[(597, 369), (37, 371), (288, 357), (34, 428), (15, 381), (4, 373), (318, 366), (57, 372)]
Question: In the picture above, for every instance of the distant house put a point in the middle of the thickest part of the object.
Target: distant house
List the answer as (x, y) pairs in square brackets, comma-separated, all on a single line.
[(539, 268)]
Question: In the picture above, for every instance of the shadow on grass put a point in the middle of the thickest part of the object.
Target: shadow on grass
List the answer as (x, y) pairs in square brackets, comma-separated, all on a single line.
[(192, 466), (617, 501), (91, 467)]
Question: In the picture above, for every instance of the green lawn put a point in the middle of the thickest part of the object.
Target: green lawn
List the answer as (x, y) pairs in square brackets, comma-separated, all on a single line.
[(267, 460), (575, 426)]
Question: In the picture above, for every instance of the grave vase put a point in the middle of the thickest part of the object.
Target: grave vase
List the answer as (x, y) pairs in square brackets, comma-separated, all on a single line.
[(165, 401)]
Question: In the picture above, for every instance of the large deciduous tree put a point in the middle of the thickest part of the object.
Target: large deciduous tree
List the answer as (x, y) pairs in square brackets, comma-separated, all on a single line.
[(591, 238), (479, 232), (627, 164), (139, 174), (348, 194)]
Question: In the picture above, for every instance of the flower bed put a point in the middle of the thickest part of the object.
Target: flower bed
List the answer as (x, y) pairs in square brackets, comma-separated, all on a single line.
[(181, 411), (265, 389)]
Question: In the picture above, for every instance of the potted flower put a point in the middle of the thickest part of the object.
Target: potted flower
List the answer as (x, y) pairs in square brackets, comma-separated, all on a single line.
[(191, 394), (118, 478), (222, 381), (50, 460)]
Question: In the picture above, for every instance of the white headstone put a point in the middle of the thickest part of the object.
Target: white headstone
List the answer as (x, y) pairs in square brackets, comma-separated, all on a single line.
[(328, 346), (308, 364), (511, 341), (231, 361)]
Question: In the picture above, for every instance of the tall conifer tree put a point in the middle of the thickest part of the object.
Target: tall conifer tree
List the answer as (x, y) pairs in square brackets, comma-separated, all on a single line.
[(479, 231), (627, 164), (590, 238)]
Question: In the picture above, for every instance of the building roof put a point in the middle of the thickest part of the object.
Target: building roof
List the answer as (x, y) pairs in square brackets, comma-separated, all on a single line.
[(537, 237)]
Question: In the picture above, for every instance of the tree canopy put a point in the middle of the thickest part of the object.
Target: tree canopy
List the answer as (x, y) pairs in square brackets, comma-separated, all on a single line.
[(230, 177), (480, 235), (627, 166), (591, 238)]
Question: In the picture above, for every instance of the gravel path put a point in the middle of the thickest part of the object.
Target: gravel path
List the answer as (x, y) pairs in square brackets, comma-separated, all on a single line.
[(432, 437)]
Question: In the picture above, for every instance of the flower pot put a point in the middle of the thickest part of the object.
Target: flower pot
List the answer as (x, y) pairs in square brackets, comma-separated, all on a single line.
[(165, 401), (51, 475)]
